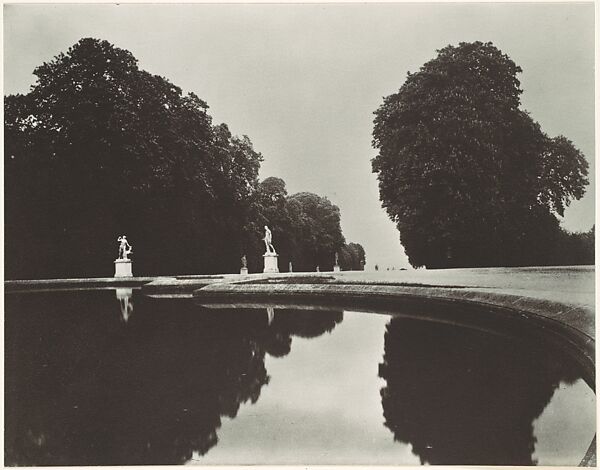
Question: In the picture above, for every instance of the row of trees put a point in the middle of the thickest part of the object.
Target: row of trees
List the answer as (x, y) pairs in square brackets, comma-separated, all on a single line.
[(99, 148), (306, 230), (469, 178)]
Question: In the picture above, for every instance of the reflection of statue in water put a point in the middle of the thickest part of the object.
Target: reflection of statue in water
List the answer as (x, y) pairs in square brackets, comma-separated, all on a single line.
[(124, 247), (463, 397), (270, 315), (124, 297), (268, 241)]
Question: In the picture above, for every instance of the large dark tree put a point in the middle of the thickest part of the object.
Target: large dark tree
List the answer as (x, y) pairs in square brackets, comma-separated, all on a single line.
[(99, 148), (468, 177)]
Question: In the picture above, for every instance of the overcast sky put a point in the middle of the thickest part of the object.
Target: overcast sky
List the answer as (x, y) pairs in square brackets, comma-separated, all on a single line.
[(302, 81)]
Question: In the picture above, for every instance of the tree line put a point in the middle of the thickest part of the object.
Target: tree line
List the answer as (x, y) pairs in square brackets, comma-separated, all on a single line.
[(100, 148), (469, 178)]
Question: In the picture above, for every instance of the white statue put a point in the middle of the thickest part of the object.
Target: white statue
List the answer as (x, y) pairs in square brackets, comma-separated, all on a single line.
[(124, 247), (268, 239), (337, 259)]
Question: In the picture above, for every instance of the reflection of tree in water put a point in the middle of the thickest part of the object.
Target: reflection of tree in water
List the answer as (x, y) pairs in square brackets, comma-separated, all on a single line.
[(85, 388), (302, 323), (462, 397)]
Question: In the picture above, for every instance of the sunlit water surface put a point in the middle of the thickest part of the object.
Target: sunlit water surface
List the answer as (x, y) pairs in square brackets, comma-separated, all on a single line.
[(115, 378)]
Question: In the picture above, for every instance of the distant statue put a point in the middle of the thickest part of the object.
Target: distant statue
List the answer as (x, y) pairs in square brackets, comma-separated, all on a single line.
[(244, 262), (124, 247), (337, 259), (318, 269), (290, 267), (268, 241)]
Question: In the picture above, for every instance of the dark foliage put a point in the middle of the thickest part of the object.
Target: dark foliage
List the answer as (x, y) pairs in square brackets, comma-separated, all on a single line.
[(468, 177), (99, 148), (352, 257), (306, 230)]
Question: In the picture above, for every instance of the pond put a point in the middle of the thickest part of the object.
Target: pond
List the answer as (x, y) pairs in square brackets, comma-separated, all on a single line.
[(111, 377)]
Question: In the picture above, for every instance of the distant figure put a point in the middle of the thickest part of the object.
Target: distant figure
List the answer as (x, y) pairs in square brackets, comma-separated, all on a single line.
[(268, 239), (244, 262), (290, 267), (124, 247), (376, 267), (337, 259)]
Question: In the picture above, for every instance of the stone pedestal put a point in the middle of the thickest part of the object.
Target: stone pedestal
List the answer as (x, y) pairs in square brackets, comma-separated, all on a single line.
[(244, 271), (270, 263), (336, 269), (123, 268)]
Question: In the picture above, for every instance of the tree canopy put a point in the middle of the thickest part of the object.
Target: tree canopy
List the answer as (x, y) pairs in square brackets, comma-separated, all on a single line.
[(469, 178), (99, 148), (306, 229)]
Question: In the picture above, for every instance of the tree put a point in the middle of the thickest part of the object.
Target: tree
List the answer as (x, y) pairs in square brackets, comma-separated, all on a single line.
[(99, 148), (306, 229), (317, 231), (269, 207), (352, 257), (468, 177)]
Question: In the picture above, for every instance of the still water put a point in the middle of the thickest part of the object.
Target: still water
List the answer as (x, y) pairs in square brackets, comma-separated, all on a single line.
[(115, 378)]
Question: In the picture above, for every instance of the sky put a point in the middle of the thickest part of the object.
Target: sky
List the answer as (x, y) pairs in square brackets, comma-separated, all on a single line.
[(303, 80)]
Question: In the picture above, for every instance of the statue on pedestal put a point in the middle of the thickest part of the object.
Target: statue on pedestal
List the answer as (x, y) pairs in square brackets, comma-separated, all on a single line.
[(268, 239), (124, 247), (336, 266), (244, 268), (123, 263), (270, 256)]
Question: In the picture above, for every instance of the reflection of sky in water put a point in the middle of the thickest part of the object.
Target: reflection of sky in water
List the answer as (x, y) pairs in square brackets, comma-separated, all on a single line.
[(91, 382), (322, 405), (569, 412)]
